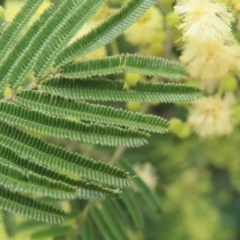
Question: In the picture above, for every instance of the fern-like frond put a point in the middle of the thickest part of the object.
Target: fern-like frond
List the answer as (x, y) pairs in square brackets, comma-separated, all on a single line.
[(103, 227), (12, 31), (87, 232), (60, 159), (22, 49), (133, 209), (151, 66), (58, 106), (107, 213), (105, 32), (52, 30), (63, 128), (75, 18), (27, 207), (150, 197), (56, 185), (107, 90), (28, 182)]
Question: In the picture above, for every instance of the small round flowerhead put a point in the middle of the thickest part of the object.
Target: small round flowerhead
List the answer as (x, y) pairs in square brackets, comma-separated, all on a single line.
[(210, 61), (1, 13), (204, 19), (147, 28), (147, 173), (212, 116)]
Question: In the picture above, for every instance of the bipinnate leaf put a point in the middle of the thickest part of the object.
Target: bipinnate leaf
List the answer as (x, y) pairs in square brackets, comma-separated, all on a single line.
[(14, 28), (151, 66), (107, 90), (58, 106), (60, 159), (63, 128), (27, 207), (105, 32)]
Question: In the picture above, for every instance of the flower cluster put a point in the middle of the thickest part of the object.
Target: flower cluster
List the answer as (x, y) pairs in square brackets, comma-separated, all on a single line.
[(212, 116), (210, 51)]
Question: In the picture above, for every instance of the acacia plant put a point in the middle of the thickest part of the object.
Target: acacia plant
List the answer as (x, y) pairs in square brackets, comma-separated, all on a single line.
[(59, 101)]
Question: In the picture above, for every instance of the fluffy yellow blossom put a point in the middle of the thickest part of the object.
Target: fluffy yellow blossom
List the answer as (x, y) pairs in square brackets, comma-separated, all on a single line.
[(210, 61), (212, 116), (204, 20), (147, 173), (210, 51), (147, 28)]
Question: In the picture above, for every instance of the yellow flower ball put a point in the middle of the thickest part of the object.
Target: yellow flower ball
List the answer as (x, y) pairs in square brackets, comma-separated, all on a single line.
[(133, 106), (1, 13), (175, 125), (172, 19), (229, 84), (131, 79), (179, 128), (185, 131), (212, 116), (146, 28)]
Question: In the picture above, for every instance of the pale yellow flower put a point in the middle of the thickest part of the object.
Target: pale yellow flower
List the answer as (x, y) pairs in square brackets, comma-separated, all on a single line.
[(147, 28), (204, 20), (210, 61), (147, 173), (212, 116)]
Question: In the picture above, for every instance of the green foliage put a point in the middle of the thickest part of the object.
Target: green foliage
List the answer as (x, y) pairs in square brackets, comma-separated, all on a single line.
[(124, 63), (49, 105), (105, 32), (107, 90), (13, 30), (55, 105), (27, 207)]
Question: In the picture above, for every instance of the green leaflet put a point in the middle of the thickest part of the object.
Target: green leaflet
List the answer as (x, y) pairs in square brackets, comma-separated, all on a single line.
[(28, 182), (63, 128), (103, 227), (132, 208), (87, 231), (107, 90), (10, 34), (62, 35), (114, 225), (105, 32), (21, 50), (53, 27), (149, 197), (61, 159), (151, 66), (56, 185), (51, 232), (9, 223), (58, 106), (27, 207)]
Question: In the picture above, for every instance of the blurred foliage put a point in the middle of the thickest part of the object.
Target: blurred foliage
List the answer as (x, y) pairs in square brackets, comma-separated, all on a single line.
[(194, 191)]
